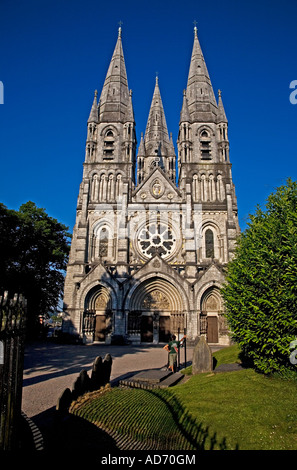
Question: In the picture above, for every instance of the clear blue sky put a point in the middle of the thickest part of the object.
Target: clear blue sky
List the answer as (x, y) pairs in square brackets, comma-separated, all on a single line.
[(55, 53)]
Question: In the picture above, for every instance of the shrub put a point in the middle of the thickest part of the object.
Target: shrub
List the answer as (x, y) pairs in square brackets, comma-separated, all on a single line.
[(261, 284)]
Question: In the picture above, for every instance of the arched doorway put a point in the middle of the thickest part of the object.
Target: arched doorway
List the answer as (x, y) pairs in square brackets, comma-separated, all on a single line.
[(98, 314), (156, 311), (211, 308)]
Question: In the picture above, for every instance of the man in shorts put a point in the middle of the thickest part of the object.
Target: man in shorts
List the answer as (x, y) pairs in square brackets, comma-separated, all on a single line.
[(172, 347)]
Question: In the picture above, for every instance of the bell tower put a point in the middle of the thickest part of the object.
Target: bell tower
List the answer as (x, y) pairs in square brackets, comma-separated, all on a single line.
[(108, 179), (204, 164)]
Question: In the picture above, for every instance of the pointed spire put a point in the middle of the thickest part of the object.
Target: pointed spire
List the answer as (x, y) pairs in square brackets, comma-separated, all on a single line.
[(171, 149), (94, 110), (185, 115), (221, 111), (200, 95), (129, 117), (156, 133), (115, 96), (141, 149)]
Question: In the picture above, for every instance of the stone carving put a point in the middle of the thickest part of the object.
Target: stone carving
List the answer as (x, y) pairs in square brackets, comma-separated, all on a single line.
[(157, 188), (211, 304), (156, 299), (101, 302), (156, 263)]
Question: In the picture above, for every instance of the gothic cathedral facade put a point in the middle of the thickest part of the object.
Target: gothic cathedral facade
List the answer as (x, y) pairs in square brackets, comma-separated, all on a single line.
[(154, 231)]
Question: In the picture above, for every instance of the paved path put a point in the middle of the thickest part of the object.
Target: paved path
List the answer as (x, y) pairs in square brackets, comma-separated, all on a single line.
[(49, 368)]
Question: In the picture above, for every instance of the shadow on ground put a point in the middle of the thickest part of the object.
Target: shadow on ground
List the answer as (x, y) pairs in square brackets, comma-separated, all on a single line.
[(71, 434)]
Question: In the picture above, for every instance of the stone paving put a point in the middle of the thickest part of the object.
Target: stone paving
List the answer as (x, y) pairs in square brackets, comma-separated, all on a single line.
[(49, 368)]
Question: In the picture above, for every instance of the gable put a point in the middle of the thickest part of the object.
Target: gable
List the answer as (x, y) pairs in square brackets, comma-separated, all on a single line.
[(157, 188)]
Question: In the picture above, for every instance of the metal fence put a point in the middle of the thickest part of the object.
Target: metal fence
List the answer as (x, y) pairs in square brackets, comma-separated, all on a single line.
[(13, 312)]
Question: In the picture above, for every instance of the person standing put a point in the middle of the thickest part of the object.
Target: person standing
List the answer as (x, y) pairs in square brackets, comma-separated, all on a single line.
[(172, 347)]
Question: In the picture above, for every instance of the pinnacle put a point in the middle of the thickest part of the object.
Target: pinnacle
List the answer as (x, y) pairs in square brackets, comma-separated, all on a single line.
[(94, 110), (221, 111)]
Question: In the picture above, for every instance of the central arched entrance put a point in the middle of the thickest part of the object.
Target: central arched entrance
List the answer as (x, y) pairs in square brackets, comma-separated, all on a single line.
[(156, 311)]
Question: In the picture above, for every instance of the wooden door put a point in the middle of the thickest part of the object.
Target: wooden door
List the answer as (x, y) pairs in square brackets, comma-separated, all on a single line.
[(100, 328), (146, 329), (212, 330), (164, 329)]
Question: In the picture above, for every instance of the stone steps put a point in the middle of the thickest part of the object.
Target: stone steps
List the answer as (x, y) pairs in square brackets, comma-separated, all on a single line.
[(152, 379)]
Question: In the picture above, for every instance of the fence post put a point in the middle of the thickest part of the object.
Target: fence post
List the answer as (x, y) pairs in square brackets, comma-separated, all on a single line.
[(178, 353), (185, 346), (13, 313)]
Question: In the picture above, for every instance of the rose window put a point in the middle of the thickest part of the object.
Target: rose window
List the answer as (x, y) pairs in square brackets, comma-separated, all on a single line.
[(156, 238)]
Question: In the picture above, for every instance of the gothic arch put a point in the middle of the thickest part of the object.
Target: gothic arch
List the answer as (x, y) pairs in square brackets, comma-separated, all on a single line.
[(211, 300), (109, 127), (204, 127), (147, 283), (88, 291), (102, 239), (212, 321), (156, 294), (206, 249), (98, 298), (97, 319), (155, 310)]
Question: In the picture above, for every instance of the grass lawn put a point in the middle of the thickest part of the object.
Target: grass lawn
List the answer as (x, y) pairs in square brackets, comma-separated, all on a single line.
[(240, 409), (248, 409)]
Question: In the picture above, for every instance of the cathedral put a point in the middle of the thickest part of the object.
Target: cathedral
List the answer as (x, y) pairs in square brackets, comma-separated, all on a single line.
[(154, 229)]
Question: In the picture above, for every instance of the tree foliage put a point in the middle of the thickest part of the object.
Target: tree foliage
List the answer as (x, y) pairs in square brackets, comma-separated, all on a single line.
[(34, 251), (261, 284)]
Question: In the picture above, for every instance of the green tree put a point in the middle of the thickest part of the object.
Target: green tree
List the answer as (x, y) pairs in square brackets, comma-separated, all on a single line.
[(34, 250), (261, 285)]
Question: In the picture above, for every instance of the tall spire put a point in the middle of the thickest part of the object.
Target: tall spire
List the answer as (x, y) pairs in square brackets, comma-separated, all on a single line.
[(156, 134), (114, 98), (200, 95)]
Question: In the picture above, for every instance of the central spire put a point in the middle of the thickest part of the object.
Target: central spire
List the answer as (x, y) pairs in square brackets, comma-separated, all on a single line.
[(156, 133), (156, 149)]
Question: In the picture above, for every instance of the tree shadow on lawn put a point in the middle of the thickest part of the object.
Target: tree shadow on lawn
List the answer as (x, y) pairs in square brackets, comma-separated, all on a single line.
[(192, 434)]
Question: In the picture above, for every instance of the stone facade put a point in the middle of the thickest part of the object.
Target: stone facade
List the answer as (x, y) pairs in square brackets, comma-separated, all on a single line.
[(154, 231)]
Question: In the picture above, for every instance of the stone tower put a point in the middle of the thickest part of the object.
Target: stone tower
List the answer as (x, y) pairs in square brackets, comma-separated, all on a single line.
[(148, 256)]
